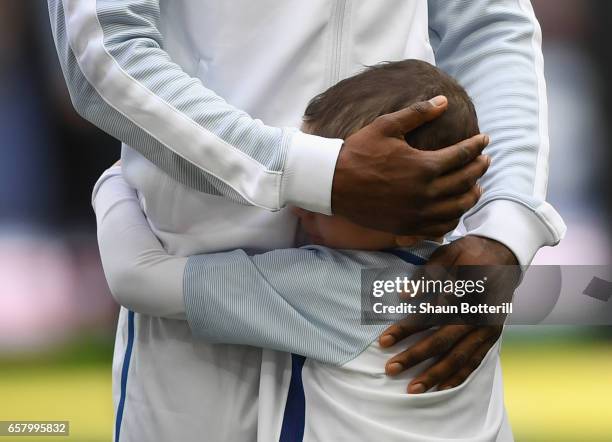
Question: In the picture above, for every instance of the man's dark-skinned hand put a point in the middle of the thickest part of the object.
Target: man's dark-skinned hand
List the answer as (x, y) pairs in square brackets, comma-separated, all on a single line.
[(459, 349), (383, 183)]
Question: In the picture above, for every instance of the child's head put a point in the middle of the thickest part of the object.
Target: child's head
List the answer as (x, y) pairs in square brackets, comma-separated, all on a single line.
[(355, 102)]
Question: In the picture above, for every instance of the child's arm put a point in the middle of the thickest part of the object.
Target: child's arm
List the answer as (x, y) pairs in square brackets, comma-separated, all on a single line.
[(305, 301), (140, 274)]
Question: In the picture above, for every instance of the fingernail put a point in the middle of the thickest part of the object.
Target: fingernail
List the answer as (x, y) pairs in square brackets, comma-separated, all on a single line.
[(387, 340), (488, 158), (394, 368), (440, 100), (446, 387), (416, 388), (486, 140), (480, 189)]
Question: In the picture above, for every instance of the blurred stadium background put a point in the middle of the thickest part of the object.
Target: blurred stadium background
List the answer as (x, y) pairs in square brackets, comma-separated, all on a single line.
[(57, 318)]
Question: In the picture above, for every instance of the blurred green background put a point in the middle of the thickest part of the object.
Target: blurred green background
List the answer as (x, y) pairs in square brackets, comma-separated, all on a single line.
[(558, 386)]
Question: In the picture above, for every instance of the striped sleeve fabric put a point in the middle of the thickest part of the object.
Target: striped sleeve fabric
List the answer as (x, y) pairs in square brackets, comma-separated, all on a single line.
[(493, 48), (305, 301), (121, 79)]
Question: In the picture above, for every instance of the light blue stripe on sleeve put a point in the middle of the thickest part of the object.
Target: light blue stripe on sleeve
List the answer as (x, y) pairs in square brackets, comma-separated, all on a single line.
[(305, 301)]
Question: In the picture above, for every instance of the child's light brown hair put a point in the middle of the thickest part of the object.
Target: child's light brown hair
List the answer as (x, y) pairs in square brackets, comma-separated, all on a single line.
[(388, 87)]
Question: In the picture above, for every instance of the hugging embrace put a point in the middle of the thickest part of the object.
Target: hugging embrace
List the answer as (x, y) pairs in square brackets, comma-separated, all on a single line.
[(236, 246)]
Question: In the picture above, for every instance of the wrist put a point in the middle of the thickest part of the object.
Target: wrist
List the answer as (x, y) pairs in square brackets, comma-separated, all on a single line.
[(500, 254), (339, 184)]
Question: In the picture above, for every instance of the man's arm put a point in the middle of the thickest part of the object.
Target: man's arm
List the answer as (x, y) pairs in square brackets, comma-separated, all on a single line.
[(305, 301), (493, 48), (121, 79)]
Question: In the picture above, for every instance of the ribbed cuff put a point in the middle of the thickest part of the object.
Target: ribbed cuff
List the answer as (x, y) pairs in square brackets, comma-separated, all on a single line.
[(522, 230), (309, 172)]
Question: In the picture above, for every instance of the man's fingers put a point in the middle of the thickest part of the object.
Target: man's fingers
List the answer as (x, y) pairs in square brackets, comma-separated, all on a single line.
[(460, 154), (454, 361), (454, 207), (472, 364), (397, 124), (462, 180), (398, 331), (443, 216), (434, 345)]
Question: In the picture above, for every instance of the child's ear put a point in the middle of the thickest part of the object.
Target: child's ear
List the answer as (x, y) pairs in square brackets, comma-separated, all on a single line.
[(406, 241)]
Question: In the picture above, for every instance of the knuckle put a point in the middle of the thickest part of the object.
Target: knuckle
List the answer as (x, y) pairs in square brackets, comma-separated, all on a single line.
[(382, 122), (429, 379), (394, 330), (401, 328), (384, 118), (464, 153), (421, 107), (484, 166), (468, 180), (406, 359), (431, 167), (440, 342), (393, 333), (427, 166)]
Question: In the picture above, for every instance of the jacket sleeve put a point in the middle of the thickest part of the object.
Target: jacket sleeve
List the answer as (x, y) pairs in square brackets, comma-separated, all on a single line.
[(493, 48), (140, 274), (122, 80), (305, 301)]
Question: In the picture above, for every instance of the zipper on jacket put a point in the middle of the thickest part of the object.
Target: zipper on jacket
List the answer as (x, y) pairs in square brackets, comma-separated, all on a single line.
[(337, 22)]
